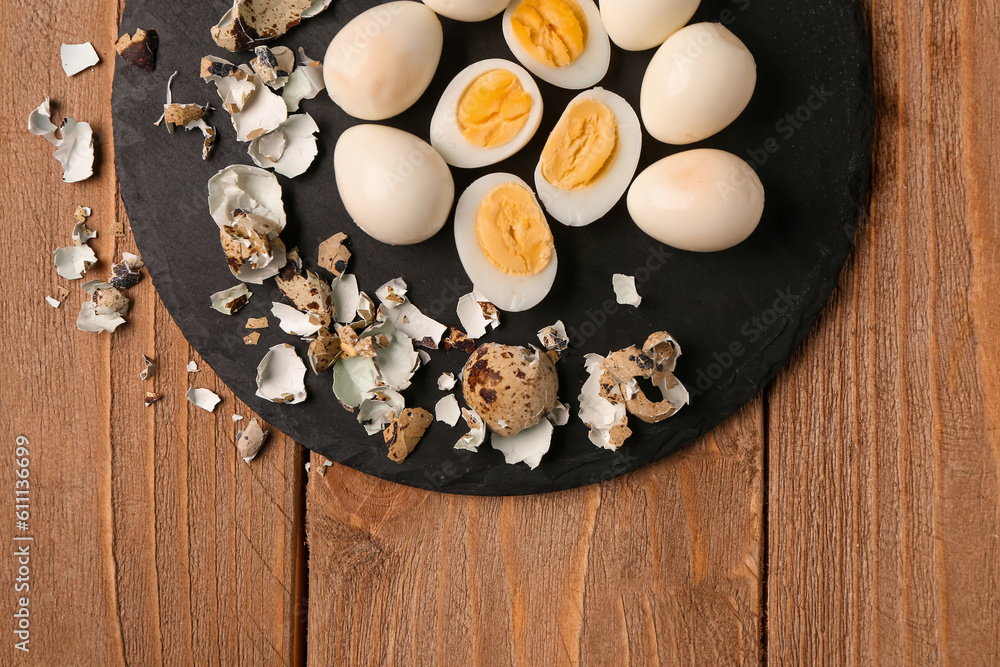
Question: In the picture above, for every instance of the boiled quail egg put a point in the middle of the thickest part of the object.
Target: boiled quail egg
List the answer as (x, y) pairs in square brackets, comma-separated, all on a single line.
[(590, 158), (701, 200), (486, 114), (395, 186), (637, 25), (505, 243), (562, 42), (469, 11), (381, 62), (697, 83)]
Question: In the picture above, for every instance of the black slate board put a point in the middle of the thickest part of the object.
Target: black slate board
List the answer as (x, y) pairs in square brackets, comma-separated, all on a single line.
[(738, 314)]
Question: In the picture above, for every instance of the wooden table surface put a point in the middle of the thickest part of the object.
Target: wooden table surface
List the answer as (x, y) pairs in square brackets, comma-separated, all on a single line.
[(849, 515)]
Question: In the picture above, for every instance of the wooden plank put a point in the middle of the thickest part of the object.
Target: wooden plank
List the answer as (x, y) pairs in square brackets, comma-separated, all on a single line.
[(155, 542), (884, 502), (661, 566)]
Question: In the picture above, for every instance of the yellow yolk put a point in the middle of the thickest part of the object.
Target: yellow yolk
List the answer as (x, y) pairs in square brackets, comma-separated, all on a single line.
[(582, 146), (493, 109), (512, 231), (554, 32)]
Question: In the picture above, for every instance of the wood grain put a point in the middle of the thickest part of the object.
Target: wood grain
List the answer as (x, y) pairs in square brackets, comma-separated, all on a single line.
[(155, 543), (661, 566), (884, 456)]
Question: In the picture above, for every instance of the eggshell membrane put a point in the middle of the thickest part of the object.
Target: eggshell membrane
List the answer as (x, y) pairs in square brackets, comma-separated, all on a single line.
[(701, 200), (697, 84), (470, 11), (576, 208), (506, 292), (638, 25), (589, 68), (447, 137), (381, 62), (395, 186)]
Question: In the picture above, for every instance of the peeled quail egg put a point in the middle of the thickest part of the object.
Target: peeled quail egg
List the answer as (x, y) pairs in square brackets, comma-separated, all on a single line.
[(486, 114), (562, 42), (702, 200), (469, 11), (505, 243), (698, 82), (395, 186), (381, 62), (590, 158), (637, 25)]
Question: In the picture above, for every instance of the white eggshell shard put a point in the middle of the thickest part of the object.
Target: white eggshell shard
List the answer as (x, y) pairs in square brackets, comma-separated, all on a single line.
[(202, 398), (477, 431), (586, 71), (289, 149), (477, 316), (381, 62), (446, 410), (697, 84), (639, 25), (507, 292), (596, 411), (263, 112), (703, 200), (346, 298), (469, 11), (281, 375), (398, 361), (246, 188), (91, 321), (625, 292), (229, 301), (295, 322), (446, 381), (73, 261), (446, 134), (394, 185), (74, 145), (580, 207), (378, 408), (353, 379), (77, 57), (528, 446), (305, 83)]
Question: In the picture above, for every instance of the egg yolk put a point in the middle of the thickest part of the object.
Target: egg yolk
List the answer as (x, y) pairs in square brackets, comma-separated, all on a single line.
[(554, 32), (512, 231), (493, 109), (582, 146)]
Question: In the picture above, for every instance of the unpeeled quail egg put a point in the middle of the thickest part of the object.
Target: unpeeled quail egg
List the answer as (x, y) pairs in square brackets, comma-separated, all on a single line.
[(562, 42), (395, 186), (505, 243), (469, 11), (697, 83), (590, 158), (381, 62), (486, 114), (637, 25), (702, 200)]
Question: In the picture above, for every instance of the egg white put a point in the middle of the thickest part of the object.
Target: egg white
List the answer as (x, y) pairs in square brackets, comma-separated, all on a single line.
[(589, 68), (576, 208), (447, 137), (470, 11), (506, 292)]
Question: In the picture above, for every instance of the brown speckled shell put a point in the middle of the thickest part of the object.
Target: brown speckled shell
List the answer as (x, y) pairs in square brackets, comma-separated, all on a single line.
[(500, 385)]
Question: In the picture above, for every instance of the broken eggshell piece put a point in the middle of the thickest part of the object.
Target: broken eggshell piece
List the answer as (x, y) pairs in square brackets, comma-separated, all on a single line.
[(289, 149), (203, 398), (229, 301), (73, 261), (477, 431), (305, 83), (77, 57), (528, 446), (295, 322), (281, 376), (447, 410), (477, 315), (625, 291), (74, 146), (250, 440), (249, 23), (405, 431), (139, 49)]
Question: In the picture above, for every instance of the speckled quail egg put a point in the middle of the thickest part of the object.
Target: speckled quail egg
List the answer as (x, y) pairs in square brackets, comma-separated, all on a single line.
[(505, 243), (562, 42), (512, 388), (590, 158), (486, 114)]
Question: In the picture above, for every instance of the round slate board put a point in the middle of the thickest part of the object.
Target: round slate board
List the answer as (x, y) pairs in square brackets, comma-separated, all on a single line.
[(738, 314)]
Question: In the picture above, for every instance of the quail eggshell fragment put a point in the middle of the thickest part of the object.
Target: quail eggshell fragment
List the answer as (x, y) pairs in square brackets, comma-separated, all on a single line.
[(554, 338), (250, 440), (292, 149), (206, 399), (295, 322), (446, 381), (378, 409), (447, 410), (512, 293), (139, 49), (697, 83), (346, 297), (229, 301), (589, 180), (281, 375), (245, 188), (78, 57), (309, 293), (381, 62), (491, 113), (73, 261), (405, 431), (469, 11), (251, 22), (637, 25), (510, 387), (625, 292), (477, 316), (395, 186), (74, 145), (528, 446), (353, 379), (702, 200), (304, 83), (477, 431), (574, 72)]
